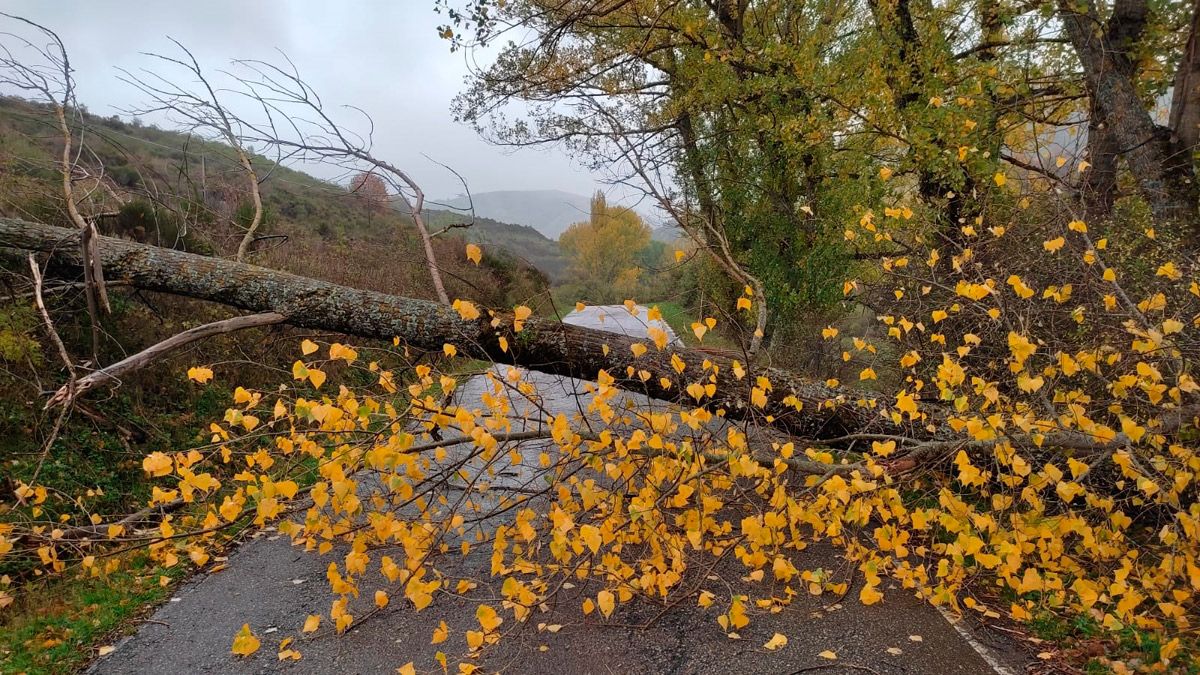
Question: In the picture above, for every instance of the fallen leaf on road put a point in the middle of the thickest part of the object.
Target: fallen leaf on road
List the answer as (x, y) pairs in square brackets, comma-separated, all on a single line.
[(828, 654), (285, 653), (107, 649), (776, 641), (407, 669), (312, 623), (895, 651), (244, 643), (916, 638)]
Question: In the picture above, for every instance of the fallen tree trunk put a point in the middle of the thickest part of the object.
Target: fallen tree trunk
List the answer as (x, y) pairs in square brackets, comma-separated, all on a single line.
[(794, 404)]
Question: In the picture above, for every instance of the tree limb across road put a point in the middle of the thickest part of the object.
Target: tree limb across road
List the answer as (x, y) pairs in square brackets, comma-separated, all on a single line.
[(794, 404)]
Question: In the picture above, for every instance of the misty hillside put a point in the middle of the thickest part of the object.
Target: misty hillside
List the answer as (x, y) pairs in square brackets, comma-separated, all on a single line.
[(550, 212), (521, 241)]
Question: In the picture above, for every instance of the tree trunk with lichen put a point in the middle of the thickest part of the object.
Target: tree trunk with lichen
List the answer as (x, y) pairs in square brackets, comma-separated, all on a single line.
[(795, 404)]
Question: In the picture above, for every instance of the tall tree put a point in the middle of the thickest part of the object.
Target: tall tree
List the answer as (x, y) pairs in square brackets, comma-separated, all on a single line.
[(603, 251)]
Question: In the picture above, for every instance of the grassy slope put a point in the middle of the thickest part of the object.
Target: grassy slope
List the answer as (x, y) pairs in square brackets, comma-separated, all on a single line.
[(520, 240)]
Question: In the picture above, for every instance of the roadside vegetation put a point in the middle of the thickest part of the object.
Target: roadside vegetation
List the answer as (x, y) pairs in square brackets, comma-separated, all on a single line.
[(938, 288)]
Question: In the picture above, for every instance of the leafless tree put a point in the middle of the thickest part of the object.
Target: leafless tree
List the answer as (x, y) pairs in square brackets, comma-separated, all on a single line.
[(43, 70), (201, 110), (301, 128)]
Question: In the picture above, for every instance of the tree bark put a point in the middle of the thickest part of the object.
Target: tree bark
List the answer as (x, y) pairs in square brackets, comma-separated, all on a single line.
[(544, 345), (1165, 179), (1185, 101)]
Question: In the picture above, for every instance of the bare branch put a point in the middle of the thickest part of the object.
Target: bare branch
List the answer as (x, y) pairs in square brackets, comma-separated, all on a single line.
[(112, 374)]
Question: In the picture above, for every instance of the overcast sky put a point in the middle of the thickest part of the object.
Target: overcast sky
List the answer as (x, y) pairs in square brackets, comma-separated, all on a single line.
[(381, 55)]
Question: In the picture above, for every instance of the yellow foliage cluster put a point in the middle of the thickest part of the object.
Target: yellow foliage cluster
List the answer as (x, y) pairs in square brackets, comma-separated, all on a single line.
[(1017, 475)]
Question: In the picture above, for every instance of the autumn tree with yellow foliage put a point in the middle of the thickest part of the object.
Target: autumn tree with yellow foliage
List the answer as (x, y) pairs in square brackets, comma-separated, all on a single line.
[(603, 252)]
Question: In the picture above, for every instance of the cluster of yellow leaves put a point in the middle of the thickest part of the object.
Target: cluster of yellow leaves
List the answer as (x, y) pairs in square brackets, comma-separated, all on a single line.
[(1051, 451)]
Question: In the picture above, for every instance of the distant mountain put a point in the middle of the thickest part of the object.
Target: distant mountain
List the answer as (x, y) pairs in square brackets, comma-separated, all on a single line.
[(550, 212)]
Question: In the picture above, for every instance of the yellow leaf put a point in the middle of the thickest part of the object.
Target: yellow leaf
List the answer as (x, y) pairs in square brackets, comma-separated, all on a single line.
[(157, 464), (1000, 179), (520, 314), (699, 329), (659, 336), (638, 349), (440, 634), (307, 347), (317, 378), (743, 303), (285, 653), (829, 333), (244, 643), (503, 344), (474, 254), (1077, 226), (466, 309), (200, 374), (867, 374), (488, 619), (312, 623), (1021, 347), (905, 403), (106, 650), (450, 350), (1053, 245), (869, 595), (381, 599), (1169, 271), (679, 255), (885, 173), (590, 534), (828, 654), (972, 291), (606, 601), (778, 640), (705, 599), (1019, 287), (407, 669)]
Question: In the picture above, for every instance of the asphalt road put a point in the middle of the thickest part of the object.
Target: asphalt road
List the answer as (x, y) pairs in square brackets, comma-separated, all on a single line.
[(272, 586)]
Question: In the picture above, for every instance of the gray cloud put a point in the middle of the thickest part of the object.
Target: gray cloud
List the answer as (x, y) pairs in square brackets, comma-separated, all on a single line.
[(384, 57)]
